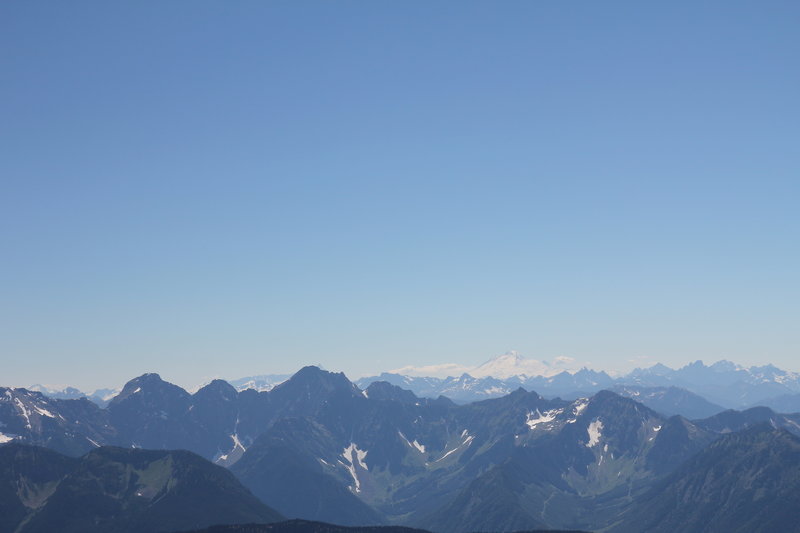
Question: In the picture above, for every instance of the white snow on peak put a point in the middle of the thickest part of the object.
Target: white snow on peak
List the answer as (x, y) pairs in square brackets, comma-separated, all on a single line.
[(512, 364), (536, 418), (261, 383), (436, 371), (502, 366), (594, 431), (354, 457)]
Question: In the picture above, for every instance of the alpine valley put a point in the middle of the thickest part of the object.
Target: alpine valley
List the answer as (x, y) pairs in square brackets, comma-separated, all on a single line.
[(643, 453)]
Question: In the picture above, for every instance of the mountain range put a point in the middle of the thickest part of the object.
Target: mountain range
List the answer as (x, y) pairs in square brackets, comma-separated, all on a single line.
[(319, 447), (694, 391), (704, 388)]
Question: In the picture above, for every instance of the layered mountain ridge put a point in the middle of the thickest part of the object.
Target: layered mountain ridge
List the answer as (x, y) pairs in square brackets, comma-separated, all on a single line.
[(720, 386), (694, 391), (318, 447)]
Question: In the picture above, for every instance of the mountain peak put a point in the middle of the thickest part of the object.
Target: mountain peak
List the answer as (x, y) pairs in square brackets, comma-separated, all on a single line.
[(218, 387), (314, 379), (149, 379), (146, 384), (511, 364)]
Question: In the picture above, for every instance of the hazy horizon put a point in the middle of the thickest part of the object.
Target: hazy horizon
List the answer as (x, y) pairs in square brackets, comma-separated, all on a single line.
[(422, 371)]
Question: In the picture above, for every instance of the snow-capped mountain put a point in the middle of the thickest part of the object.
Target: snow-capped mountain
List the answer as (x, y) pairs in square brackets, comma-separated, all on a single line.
[(64, 392), (321, 448), (721, 385), (497, 377), (507, 365), (58, 392), (724, 382), (512, 364), (262, 383)]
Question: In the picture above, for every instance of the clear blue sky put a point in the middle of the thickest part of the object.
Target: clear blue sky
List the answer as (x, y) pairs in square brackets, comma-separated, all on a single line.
[(220, 188)]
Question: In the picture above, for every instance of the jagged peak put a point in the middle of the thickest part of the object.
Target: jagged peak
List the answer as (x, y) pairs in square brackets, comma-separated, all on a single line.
[(145, 379)]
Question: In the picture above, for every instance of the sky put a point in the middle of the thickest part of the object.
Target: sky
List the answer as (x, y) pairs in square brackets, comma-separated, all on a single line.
[(222, 189)]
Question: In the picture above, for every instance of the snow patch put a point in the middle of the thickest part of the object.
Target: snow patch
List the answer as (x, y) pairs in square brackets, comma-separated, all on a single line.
[(43, 412), (404, 439), (594, 431), (466, 441), (5, 438), (415, 444), (237, 450), (448, 453), (237, 443), (24, 412), (354, 456), (542, 418), (579, 405), (656, 428)]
